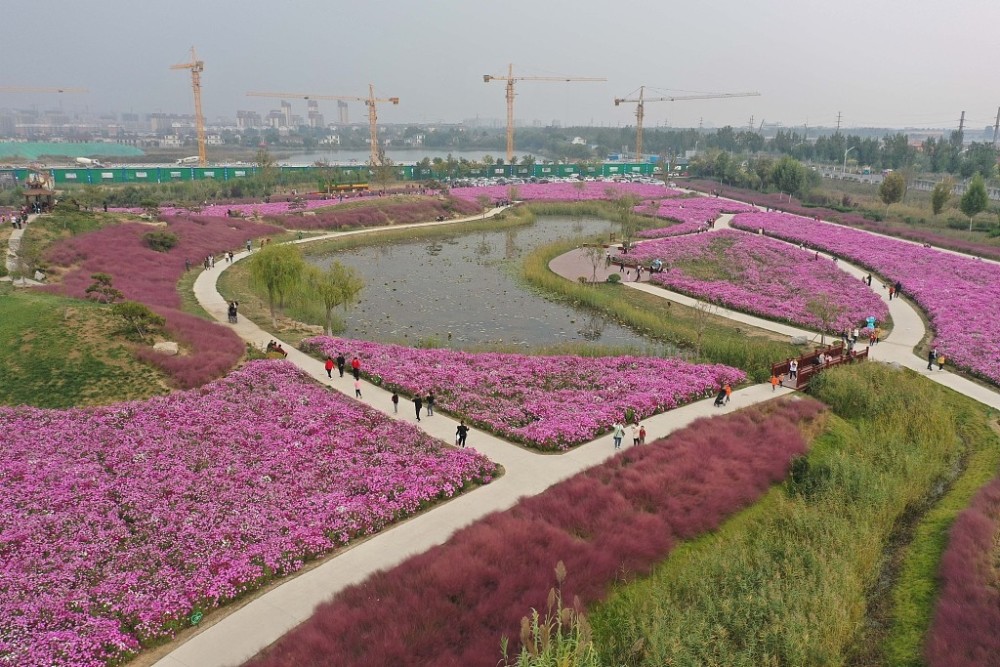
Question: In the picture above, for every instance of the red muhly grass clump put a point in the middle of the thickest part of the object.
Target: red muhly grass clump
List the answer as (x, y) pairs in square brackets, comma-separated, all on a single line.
[(215, 349), (403, 213), (151, 277), (451, 604), (965, 631)]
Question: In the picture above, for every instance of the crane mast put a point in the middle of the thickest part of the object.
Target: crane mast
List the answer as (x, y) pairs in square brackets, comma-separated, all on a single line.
[(510, 79), (196, 67), (371, 101), (640, 109)]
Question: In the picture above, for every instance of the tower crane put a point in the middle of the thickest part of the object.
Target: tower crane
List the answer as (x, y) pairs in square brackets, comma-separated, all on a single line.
[(35, 89), (197, 67), (370, 102), (641, 101), (510, 79)]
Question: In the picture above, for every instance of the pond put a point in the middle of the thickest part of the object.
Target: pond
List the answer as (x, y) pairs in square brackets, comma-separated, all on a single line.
[(461, 291)]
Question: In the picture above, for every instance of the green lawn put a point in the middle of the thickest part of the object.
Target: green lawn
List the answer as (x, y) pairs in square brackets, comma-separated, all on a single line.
[(60, 352)]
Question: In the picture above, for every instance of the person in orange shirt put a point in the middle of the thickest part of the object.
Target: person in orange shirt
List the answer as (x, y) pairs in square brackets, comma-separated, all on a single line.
[(774, 381), (729, 391)]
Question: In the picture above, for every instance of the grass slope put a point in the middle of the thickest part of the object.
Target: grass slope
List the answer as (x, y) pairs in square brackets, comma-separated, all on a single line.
[(60, 352)]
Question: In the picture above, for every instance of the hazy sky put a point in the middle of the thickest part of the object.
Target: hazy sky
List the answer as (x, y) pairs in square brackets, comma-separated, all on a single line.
[(880, 62)]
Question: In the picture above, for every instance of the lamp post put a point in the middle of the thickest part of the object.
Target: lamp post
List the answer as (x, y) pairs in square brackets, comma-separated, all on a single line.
[(845, 158)]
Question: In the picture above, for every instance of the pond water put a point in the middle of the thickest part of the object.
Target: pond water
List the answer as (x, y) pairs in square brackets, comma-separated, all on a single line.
[(460, 291)]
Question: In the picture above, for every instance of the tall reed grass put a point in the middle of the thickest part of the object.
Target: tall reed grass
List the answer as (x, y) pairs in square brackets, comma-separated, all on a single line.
[(789, 581)]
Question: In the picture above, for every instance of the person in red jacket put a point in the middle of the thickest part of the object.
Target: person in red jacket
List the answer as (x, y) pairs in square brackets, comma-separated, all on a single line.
[(329, 366), (356, 367)]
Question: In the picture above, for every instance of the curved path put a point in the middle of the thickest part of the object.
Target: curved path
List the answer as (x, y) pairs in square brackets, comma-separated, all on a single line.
[(907, 331), (237, 636)]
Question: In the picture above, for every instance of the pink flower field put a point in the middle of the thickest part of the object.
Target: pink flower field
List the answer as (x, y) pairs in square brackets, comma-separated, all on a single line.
[(759, 275), (693, 213), (581, 191), (960, 295), (120, 522), (551, 403)]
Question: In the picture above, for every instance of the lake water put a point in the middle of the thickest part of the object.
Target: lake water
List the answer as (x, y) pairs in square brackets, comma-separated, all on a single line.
[(461, 291)]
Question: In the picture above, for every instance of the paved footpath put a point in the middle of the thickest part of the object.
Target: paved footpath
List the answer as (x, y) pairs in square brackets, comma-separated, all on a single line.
[(243, 633), (13, 245), (907, 326)]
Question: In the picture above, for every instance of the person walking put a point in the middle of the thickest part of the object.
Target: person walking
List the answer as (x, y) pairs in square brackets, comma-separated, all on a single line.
[(395, 403), (461, 433), (892, 290), (775, 381), (357, 389), (430, 403), (729, 391), (642, 434), (899, 289), (356, 367), (940, 362), (249, 246), (635, 435), (418, 403), (931, 358), (617, 433), (793, 369), (341, 362), (329, 366)]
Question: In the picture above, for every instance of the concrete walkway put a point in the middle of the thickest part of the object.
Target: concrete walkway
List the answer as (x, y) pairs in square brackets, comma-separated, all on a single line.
[(907, 326), (243, 633), (13, 245)]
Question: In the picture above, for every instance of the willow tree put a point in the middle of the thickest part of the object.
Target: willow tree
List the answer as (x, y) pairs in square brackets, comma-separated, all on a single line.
[(338, 285), (278, 270)]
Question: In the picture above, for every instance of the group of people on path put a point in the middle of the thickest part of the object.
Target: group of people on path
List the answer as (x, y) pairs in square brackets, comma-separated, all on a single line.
[(934, 358), (421, 401), (638, 434)]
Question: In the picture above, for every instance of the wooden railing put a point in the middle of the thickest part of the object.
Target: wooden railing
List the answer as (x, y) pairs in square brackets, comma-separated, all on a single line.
[(809, 366)]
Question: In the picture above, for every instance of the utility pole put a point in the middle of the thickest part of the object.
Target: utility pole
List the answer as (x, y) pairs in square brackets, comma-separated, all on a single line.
[(996, 129), (838, 122), (961, 131), (750, 125)]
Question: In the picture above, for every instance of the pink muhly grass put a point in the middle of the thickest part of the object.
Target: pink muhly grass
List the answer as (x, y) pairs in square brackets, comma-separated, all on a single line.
[(151, 277), (451, 604), (964, 631)]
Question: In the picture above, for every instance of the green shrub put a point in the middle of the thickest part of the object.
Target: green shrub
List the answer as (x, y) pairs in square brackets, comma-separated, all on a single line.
[(614, 279), (160, 241)]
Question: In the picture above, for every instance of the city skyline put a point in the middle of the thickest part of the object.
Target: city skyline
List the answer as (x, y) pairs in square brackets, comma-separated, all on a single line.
[(882, 66)]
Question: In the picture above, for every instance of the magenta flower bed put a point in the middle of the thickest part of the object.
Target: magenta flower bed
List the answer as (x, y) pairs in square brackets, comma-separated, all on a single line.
[(120, 522), (780, 202), (967, 613), (151, 277), (960, 295), (694, 213), (452, 604), (759, 275), (582, 191), (545, 402)]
